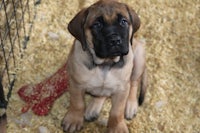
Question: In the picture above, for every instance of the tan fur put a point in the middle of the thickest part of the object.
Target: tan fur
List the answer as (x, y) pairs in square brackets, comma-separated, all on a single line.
[(105, 9), (98, 81), (120, 84)]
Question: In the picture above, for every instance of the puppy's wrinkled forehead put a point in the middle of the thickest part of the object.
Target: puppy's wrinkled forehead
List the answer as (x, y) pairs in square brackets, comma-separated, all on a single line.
[(108, 10)]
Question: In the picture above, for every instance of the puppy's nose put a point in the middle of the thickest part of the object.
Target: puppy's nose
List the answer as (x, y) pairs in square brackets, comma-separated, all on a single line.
[(114, 40)]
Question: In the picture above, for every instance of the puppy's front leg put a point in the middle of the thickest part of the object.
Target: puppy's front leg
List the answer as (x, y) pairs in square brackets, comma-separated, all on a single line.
[(138, 78), (116, 123), (73, 120)]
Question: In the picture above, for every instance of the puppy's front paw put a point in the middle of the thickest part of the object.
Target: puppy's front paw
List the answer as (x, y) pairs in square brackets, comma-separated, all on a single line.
[(73, 121), (131, 109), (120, 128)]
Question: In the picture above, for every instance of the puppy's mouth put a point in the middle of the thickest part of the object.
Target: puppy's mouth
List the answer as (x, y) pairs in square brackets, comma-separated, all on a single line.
[(112, 55), (116, 59), (108, 61)]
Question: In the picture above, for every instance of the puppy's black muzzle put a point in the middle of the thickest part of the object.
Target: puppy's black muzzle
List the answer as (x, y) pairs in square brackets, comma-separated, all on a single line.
[(114, 45), (114, 40), (111, 41)]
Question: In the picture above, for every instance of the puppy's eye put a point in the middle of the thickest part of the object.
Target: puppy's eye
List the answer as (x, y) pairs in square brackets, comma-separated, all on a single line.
[(97, 25), (123, 22)]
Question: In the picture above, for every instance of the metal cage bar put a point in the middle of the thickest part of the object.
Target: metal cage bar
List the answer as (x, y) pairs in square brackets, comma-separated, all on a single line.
[(15, 30)]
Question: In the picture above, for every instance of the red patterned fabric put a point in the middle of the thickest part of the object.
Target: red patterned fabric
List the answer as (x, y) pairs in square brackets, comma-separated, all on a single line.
[(40, 97)]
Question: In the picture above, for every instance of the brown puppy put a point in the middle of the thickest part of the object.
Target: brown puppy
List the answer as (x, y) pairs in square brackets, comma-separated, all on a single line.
[(105, 61)]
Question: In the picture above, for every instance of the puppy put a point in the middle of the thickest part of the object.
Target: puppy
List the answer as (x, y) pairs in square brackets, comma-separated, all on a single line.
[(105, 61)]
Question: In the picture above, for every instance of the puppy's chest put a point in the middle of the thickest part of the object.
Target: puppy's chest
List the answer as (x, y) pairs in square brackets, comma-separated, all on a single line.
[(103, 81)]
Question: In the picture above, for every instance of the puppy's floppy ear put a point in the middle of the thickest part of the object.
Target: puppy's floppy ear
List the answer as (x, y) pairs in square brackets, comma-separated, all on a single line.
[(135, 21), (76, 27)]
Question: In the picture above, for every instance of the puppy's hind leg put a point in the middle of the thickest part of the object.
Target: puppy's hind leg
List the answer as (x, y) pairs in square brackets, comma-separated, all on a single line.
[(143, 87), (94, 108)]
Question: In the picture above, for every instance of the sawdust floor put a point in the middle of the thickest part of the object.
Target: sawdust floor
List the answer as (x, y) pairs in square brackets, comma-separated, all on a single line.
[(172, 32)]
